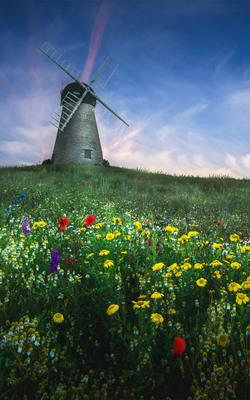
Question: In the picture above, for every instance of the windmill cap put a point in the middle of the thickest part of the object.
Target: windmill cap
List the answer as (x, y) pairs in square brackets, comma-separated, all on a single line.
[(78, 90)]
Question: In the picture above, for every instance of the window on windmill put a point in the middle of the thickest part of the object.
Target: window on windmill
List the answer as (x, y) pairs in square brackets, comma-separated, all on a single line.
[(87, 153)]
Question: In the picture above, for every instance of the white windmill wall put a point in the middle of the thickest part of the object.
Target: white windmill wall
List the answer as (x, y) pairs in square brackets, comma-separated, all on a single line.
[(79, 142)]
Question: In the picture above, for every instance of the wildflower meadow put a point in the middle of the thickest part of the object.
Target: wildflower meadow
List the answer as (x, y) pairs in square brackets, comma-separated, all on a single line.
[(123, 284)]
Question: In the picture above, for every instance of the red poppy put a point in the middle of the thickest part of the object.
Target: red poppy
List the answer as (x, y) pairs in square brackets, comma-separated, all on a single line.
[(63, 222), (148, 222), (179, 346), (69, 260), (89, 220), (219, 223)]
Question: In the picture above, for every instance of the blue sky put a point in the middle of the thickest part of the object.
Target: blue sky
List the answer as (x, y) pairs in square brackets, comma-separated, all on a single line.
[(182, 84)]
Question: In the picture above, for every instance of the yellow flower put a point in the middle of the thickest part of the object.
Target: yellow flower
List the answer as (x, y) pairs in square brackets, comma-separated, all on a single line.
[(171, 311), (171, 229), (142, 296), (217, 274), (198, 266), (186, 266), (104, 252), (235, 265), (245, 285), (117, 221), (217, 245), (156, 295), (58, 318), (90, 255), (245, 248), (138, 224), (241, 298), (127, 237), (42, 223), (35, 225), (158, 266), (108, 263), (98, 236), (193, 233), (140, 304), (157, 318), (223, 340), (234, 237), (233, 287), (81, 229), (215, 263), (110, 236), (201, 282), (112, 309)]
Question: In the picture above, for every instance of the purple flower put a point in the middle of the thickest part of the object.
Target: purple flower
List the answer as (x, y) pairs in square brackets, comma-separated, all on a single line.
[(54, 261), (25, 226)]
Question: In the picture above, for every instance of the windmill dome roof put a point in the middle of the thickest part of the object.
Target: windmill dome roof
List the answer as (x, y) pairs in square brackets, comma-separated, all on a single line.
[(78, 90)]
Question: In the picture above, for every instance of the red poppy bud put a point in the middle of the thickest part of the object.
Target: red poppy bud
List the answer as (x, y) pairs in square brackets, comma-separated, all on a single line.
[(179, 346), (150, 243), (219, 223)]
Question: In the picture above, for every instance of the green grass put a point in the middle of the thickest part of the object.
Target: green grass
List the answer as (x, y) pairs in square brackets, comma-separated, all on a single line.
[(126, 355)]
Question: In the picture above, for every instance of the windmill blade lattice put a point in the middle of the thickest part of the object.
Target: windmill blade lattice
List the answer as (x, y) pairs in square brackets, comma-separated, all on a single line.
[(105, 72)]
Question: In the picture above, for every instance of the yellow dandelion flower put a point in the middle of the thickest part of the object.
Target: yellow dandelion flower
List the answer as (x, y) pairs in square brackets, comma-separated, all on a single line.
[(140, 304), (35, 225), (98, 236), (156, 295), (245, 248), (171, 311), (223, 340), (142, 296), (193, 233), (117, 221), (230, 256), (112, 309), (201, 282), (235, 265), (110, 236), (157, 318), (186, 266), (58, 318), (217, 245), (242, 298), (234, 237), (104, 252), (81, 229), (233, 287), (245, 285), (90, 255), (108, 263), (215, 263), (158, 266), (127, 237), (171, 229), (138, 224), (217, 274), (198, 266)]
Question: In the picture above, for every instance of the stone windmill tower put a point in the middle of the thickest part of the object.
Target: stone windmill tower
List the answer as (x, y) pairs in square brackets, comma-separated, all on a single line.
[(77, 140)]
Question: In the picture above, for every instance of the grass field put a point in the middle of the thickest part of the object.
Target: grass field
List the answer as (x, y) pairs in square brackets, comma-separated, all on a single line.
[(123, 284)]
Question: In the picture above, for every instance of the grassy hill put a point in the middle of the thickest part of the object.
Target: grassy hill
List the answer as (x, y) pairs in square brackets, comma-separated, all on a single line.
[(123, 284)]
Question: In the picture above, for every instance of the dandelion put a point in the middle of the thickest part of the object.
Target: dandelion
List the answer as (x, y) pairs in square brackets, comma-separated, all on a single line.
[(233, 287), (217, 245), (158, 266), (201, 282), (245, 285), (117, 221), (140, 304), (104, 252), (156, 295), (138, 224), (58, 318), (89, 220), (179, 346), (198, 266), (112, 309), (223, 340), (110, 236), (157, 318), (63, 222), (235, 265), (108, 263), (242, 298), (171, 229), (234, 237), (215, 263)]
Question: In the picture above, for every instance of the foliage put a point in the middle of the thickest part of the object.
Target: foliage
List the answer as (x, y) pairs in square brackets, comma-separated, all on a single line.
[(140, 263)]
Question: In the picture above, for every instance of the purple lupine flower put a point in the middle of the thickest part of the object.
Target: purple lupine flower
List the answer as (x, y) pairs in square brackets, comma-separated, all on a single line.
[(25, 226), (54, 262)]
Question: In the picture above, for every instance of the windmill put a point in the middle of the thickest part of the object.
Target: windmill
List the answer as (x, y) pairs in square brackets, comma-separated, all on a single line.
[(77, 140)]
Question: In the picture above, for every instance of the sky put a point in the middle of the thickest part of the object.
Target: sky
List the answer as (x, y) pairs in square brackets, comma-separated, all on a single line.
[(182, 82)]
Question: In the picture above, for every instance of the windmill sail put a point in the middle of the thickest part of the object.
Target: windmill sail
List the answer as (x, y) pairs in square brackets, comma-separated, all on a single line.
[(105, 72)]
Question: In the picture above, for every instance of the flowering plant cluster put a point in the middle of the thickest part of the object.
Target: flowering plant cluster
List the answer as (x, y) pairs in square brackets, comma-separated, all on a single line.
[(143, 298)]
